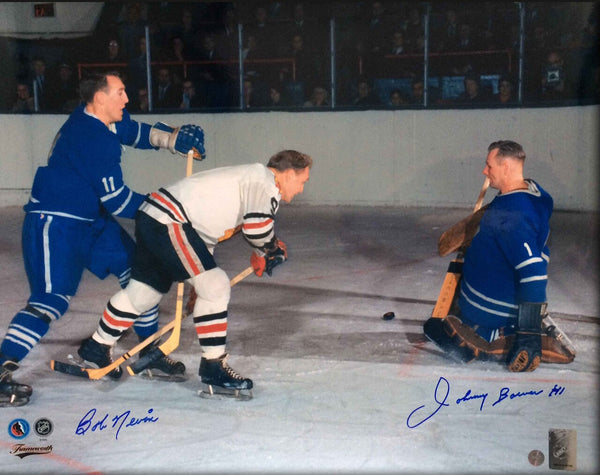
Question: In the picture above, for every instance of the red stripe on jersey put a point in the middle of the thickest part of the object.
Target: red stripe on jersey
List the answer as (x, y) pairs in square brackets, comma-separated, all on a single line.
[(169, 205), (107, 317), (258, 225), (217, 327), (184, 250)]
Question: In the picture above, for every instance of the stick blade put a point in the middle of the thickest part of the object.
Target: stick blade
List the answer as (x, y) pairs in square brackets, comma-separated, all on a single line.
[(68, 368)]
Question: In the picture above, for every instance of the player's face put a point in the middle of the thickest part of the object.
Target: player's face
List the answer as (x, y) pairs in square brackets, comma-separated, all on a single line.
[(291, 183), (116, 98), (494, 169)]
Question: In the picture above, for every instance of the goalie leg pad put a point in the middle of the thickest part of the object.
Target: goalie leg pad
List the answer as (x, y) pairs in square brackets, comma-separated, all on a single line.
[(554, 351), (462, 342), (435, 329)]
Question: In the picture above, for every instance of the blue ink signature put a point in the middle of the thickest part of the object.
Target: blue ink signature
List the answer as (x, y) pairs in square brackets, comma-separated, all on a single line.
[(442, 392), (119, 421)]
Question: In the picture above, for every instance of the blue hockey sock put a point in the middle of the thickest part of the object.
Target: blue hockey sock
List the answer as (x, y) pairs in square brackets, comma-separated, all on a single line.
[(147, 323)]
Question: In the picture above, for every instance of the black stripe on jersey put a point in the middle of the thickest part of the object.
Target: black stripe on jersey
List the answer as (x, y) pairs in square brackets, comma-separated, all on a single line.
[(259, 215), (210, 317), (175, 202), (258, 236), (167, 211)]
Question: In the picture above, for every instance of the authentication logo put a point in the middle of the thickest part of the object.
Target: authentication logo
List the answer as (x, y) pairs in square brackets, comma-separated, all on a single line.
[(22, 451), (43, 427), (18, 428)]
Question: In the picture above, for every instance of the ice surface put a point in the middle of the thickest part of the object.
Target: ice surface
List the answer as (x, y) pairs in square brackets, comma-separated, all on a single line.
[(337, 389)]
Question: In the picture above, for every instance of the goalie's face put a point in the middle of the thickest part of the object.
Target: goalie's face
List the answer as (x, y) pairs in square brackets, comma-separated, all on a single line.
[(494, 169)]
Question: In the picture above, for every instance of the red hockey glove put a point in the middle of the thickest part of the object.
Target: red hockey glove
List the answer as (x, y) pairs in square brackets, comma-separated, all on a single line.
[(272, 257)]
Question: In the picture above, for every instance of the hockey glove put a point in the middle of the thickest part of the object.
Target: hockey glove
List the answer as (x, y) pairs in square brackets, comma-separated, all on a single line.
[(179, 139), (272, 257), (526, 352)]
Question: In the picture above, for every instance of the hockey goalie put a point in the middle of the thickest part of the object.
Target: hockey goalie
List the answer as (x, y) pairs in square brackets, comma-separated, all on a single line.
[(497, 308)]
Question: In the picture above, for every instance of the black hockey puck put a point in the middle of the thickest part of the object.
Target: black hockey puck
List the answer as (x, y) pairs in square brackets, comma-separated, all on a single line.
[(388, 316)]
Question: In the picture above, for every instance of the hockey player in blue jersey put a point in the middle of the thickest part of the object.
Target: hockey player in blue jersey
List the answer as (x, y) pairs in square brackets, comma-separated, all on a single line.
[(502, 295), (69, 224)]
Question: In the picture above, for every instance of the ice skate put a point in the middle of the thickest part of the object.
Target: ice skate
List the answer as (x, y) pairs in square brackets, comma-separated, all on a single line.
[(97, 355), (161, 367), (12, 394), (221, 381)]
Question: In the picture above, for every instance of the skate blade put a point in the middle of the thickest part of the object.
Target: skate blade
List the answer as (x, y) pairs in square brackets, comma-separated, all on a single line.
[(216, 392), (150, 375), (14, 401)]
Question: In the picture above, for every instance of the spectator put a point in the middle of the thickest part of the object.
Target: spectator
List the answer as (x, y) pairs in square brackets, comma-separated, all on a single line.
[(446, 38), (186, 30), (177, 50), (226, 33), (398, 45), (62, 90), (137, 66), (365, 96), (505, 96), (24, 103), (167, 93), (466, 38), (318, 98), (190, 98), (377, 30), (554, 81), (397, 99), (142, 102), (276, 97), (414, 28), (38, 80), (306, 66), (113, 53), (472, 93), (417, 92), (130, 29), (262, 31)]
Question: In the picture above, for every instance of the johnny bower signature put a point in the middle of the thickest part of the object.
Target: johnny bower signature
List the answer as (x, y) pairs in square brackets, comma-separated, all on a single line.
[(442, 391)]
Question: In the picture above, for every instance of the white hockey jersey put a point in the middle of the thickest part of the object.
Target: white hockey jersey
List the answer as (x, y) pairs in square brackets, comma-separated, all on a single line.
[(220, 202)]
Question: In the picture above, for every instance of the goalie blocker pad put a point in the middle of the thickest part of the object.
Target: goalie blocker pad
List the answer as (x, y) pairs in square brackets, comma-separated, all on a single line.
[(463, 344)]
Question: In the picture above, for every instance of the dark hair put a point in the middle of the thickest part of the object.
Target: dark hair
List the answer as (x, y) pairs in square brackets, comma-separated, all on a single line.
[(287, 159), (508, 148), (93, 83)]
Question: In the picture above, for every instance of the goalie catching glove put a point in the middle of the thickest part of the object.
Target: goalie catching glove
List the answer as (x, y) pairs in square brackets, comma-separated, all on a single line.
[(268, 258), (179, 139)]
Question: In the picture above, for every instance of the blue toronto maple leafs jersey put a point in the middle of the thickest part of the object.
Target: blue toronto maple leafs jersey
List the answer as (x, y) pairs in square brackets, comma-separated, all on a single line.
[(506, 263), (83, 174)]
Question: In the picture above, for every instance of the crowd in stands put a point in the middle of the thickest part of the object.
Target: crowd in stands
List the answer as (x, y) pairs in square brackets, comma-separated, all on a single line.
[(473, 55)]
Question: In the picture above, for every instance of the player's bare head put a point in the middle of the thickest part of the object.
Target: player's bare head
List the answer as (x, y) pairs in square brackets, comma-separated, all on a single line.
[(287, 159), (93, 83), (507, 149)]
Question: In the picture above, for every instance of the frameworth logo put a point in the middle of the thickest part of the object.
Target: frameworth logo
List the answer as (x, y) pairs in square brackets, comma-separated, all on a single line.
[(22, 451)]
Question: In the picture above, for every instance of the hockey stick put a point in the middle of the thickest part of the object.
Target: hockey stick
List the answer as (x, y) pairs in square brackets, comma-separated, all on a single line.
[(97, 373), (454, 272)]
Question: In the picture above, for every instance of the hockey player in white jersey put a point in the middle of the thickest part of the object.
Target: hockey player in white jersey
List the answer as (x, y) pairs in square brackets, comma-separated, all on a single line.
[(69, 224), (177, 229)]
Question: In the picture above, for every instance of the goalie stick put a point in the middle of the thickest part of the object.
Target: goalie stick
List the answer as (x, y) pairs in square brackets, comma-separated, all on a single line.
[(454, 272), (97, 373)]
